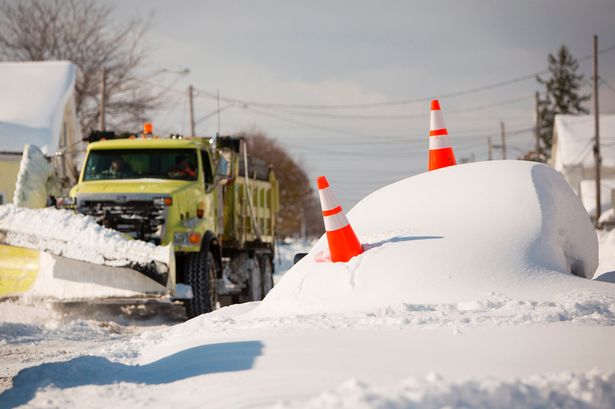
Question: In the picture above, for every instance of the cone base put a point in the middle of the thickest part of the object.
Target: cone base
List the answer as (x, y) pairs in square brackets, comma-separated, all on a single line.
[(441, 158), (343, 244)]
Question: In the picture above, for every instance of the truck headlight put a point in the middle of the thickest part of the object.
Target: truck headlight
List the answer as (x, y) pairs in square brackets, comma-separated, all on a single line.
[(180, 239), (65, 202), (191, 238), (163, 201)]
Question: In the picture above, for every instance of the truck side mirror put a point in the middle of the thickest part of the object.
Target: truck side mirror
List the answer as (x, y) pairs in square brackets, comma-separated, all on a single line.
[(298, 257), (223, 170)]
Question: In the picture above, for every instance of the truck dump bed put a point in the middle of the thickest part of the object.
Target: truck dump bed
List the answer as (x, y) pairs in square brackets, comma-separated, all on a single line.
[(251, 202)]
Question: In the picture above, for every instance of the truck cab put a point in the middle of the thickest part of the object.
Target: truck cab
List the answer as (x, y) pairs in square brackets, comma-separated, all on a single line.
[(155, 190)]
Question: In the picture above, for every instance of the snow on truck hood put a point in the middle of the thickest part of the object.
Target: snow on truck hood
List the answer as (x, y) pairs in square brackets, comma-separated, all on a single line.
[(468, 232)]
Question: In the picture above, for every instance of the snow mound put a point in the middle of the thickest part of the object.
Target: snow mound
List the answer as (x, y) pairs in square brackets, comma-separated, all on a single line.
[(34, 180), (238, 320), (565, 390), (75, 236), (462, 233)]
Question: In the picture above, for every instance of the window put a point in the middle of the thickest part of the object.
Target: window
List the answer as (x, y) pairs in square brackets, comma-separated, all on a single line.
[(108, 164), (209, 177)]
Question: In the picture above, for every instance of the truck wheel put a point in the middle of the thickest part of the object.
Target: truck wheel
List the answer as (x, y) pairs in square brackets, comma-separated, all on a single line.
[(267, 273), (200, 273), (255, 286)]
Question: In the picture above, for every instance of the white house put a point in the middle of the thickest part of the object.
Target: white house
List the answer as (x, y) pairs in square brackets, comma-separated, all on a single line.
[(37, 107), (573, 156)]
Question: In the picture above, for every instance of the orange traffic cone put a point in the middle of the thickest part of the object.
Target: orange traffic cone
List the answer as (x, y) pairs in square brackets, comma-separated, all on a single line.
[(440, 150), (343, 242)]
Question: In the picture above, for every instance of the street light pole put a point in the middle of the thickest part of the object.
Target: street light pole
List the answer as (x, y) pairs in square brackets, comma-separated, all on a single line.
[(537, 124), (191, 108), (502, 129), (103, 99)]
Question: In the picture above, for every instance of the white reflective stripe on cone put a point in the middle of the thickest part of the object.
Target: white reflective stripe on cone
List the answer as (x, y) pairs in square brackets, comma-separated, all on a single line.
[(439, 142), (436, 121), (335, 222), (328, 200)]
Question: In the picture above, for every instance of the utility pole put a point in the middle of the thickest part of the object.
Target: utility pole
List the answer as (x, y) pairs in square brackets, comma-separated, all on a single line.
[(503, 140), (218, 110), (490, 149), (303, 226), (597, 157), (191, 108), (536, 125), (103, 99)]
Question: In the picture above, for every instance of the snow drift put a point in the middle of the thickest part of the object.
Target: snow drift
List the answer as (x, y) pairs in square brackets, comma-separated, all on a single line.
[(35, 180), (469, 232)]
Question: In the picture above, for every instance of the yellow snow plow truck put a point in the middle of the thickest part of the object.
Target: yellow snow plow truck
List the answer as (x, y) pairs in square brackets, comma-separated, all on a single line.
[(205, 196)]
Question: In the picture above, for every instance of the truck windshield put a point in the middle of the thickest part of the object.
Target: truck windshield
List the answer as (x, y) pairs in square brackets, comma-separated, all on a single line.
[(106, 164)]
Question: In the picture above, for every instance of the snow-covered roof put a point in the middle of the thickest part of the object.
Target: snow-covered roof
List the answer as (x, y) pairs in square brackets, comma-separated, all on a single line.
[(574, 144), (32, 103)]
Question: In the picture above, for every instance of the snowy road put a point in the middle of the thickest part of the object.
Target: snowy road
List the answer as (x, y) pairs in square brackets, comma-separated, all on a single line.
[(34, 334), (226, 361), (31, 335)]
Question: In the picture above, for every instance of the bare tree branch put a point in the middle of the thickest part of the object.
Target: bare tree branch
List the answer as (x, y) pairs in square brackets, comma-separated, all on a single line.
[(81, 31)]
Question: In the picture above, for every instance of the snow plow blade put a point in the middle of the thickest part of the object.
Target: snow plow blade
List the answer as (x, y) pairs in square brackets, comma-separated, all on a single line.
[(36, 267), (18, 270), (73, 280)]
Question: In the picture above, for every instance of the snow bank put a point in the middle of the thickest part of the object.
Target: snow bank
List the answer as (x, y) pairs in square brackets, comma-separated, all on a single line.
[(457, 318), (35, 179), (566, 390), (464, 233), (75, 236)]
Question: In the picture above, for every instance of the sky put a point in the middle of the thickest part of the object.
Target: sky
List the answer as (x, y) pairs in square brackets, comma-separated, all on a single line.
[(306, 72)]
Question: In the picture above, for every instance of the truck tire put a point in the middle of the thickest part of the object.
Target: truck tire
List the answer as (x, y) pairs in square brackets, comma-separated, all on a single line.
[(266, 273), (255, 286), (200, 274)]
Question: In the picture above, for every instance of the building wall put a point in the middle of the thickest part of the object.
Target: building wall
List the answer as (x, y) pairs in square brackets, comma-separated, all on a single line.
[(9, 167)]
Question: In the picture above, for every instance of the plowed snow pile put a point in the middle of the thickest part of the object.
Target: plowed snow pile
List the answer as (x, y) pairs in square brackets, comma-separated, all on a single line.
[(468, 233), (75, 236)]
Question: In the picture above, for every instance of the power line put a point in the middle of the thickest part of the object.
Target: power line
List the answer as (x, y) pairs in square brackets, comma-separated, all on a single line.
[(405, 116), (306, 124), (607, 84), (216, 112), (392, 103), (381, 138), (174, 105)]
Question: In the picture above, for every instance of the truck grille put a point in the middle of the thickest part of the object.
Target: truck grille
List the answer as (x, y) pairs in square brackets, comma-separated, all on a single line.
[(140, 219)]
